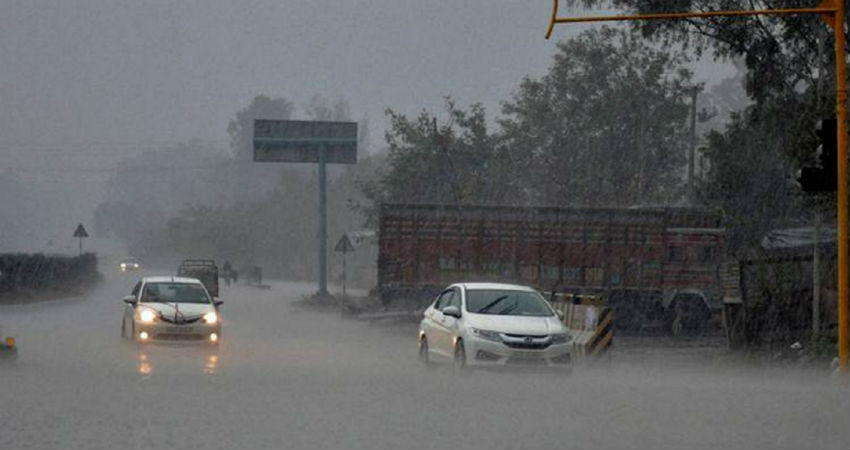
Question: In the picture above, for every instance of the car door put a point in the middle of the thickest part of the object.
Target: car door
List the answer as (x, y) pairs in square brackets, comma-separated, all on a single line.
[(128, 309), (451, 325), (439, 336), (429, 320), (446, 326)]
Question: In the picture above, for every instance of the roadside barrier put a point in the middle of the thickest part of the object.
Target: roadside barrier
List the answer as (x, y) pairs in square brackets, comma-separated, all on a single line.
[(591, 324), (8, 349)]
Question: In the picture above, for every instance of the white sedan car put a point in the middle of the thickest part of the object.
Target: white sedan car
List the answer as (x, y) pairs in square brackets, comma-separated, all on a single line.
[(171, 309), (489, 324)]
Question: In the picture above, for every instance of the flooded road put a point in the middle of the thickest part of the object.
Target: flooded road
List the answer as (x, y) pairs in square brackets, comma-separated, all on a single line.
[(287, 378)]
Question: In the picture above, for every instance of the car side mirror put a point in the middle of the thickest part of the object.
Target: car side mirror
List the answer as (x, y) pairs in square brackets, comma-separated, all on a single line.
[(130, 299), (560, 314), (218, 303), (452, 311)]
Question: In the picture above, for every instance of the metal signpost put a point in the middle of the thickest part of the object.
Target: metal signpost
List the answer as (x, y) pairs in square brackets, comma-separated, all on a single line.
[(344, 246), (81, 233), (298, 141), (832, 12)]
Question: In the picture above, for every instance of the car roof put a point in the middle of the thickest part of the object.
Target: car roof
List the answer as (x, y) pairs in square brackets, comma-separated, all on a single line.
[(502, 286), (170, 279)]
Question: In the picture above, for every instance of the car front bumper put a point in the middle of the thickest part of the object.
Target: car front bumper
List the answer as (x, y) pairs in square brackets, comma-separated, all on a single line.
[(170, 332), (481, 352)]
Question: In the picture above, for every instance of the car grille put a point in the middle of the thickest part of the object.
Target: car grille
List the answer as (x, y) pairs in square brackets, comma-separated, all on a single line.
[(527, 341), (180, 319)]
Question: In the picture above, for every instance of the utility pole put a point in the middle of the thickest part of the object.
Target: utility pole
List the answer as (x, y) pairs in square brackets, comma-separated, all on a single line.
[(692, 156), (816, 288), (323, 223)]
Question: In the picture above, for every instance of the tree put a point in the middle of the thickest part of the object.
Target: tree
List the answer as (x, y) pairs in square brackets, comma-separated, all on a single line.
[(752, 161), (780, 52), (605, 126), (456, 162), (241, 127)]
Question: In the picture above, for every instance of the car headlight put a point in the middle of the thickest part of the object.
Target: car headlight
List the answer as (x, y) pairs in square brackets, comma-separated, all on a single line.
[(211, 317), (147, 316), (487, 335), (560, 338)]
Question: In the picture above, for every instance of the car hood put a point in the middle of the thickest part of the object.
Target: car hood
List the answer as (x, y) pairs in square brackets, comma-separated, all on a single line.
[(515, 324), (189, 310)]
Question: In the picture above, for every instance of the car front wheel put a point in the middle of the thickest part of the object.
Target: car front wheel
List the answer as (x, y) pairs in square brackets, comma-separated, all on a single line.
[(460, 357), (424, 357)]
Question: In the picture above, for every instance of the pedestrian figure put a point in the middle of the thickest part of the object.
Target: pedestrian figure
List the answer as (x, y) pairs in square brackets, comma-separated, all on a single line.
[(228, 272)]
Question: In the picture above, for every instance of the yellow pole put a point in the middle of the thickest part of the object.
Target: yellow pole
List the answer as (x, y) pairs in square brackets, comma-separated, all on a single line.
[(841, 111)]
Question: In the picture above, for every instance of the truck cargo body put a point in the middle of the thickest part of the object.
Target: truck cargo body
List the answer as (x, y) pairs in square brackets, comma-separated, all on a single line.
[(639, 259)]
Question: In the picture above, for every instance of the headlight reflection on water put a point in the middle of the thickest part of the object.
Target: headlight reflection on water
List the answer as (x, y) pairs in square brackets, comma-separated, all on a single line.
[(211, 364), (145, 367), (145, 364)]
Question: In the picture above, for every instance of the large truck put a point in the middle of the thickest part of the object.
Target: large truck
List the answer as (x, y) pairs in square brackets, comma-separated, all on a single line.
[(204, 270), (657, 267)]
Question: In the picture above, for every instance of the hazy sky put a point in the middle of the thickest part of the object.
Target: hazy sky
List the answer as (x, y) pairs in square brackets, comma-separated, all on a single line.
[(84, 83)]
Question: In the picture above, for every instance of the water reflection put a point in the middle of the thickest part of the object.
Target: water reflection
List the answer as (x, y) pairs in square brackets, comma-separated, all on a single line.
[(211, 364), (145, 363), (145, 367)]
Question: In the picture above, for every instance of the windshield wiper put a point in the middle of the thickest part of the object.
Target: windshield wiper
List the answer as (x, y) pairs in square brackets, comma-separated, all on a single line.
[(491, 304)]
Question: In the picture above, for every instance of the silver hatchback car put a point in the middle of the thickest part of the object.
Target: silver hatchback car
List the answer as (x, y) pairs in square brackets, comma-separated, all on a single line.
[(490, 324)]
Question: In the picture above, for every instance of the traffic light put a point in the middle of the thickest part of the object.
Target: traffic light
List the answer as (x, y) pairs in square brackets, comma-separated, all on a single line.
[(823, 176)]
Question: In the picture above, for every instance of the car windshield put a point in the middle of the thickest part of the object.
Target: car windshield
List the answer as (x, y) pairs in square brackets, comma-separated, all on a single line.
[(174, 293), (506, 303)]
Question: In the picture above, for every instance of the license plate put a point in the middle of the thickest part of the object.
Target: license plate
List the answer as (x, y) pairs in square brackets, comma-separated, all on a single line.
[(526, 355), (178, 330)]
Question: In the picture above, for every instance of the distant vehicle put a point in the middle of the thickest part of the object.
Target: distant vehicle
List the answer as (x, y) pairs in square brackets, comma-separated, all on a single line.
[(171, 309), (493, 324), (651, 265), (128, 264), (202, 269)]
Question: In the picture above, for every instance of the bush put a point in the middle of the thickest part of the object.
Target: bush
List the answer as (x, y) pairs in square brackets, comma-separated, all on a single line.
[(21, 272)]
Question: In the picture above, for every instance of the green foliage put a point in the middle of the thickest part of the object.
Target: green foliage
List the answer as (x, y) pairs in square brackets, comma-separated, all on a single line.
[(605, 126), (457, 162), (21, 272), (780, 52), (750, 171), (751, 162), (241, 127)]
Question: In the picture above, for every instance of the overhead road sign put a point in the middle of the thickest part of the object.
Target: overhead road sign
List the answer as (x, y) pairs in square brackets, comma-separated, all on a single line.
[(300, 141)]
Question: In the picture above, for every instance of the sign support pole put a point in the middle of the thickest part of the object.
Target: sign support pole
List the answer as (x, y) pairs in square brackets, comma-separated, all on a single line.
[(323, 224)]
